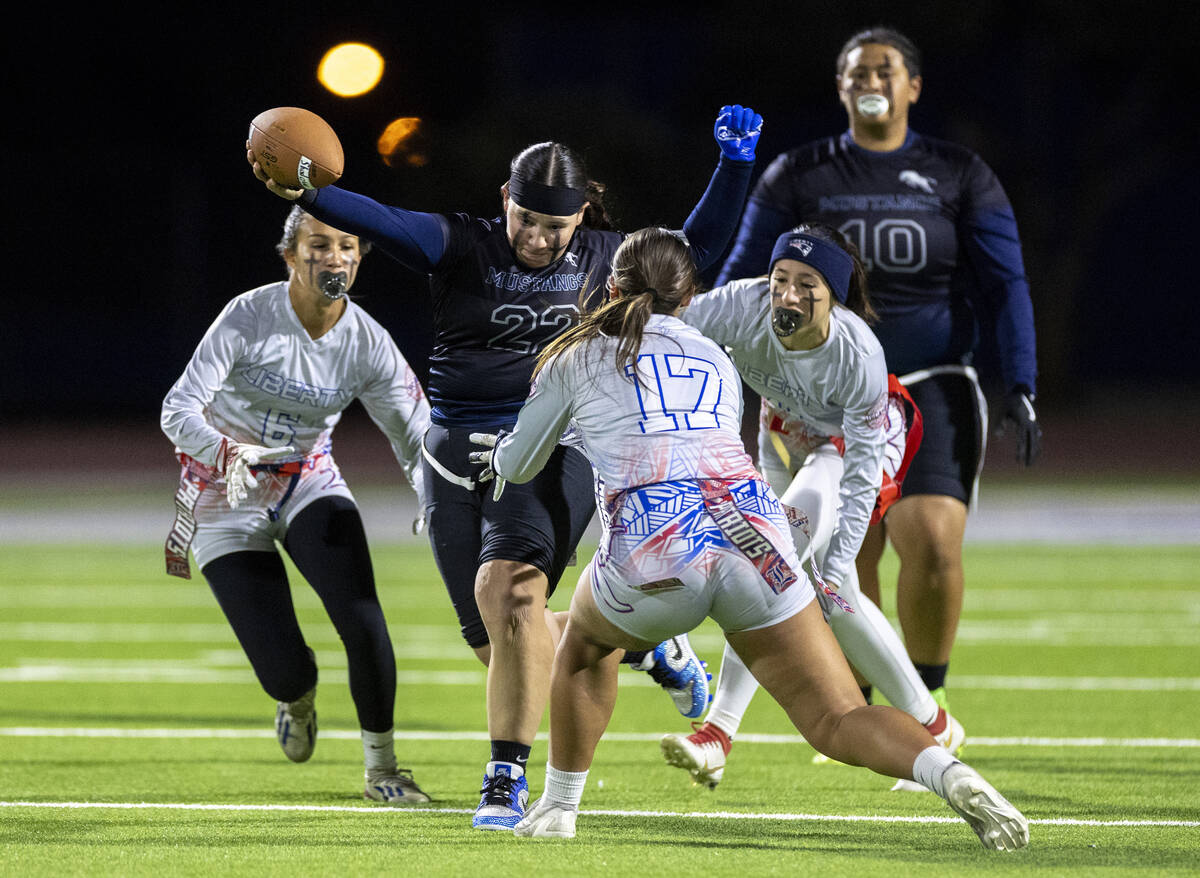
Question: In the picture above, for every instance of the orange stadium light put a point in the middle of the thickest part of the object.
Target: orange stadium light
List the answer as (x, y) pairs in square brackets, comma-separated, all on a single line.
[(398, 144), (350, 69)]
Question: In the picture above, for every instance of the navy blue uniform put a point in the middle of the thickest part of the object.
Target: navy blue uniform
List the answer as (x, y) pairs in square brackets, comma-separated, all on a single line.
[(939, 239), (492, 316)]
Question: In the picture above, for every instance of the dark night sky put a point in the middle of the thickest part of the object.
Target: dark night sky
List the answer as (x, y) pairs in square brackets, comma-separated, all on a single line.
[(139, 217)]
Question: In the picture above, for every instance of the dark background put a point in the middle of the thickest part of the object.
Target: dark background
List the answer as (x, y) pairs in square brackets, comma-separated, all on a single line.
[(132, 216)]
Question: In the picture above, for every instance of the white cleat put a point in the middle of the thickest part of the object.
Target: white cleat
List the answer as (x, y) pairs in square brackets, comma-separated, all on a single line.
[(701, 754), (998, 824), (544, 820), (395, 787), (947, 731), (296, 726)]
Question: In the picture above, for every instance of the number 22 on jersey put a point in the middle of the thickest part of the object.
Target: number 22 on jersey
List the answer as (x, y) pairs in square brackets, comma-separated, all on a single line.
[(676, 392)]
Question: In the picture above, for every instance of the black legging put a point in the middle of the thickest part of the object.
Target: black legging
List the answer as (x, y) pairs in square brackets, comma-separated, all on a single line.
[(329, 547)]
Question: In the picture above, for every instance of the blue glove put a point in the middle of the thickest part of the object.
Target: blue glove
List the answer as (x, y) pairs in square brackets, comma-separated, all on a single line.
[(737, 132)]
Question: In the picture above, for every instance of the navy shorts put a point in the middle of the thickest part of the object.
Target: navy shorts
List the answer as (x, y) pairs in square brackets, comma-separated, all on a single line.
[(537, 523), (951, 449)]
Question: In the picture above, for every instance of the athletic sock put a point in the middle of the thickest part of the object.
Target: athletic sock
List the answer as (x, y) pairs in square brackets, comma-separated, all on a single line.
[(933, 676), (929, 766), (735, 689), (379, 754), (511, 751), (565, 788), (635, 656)]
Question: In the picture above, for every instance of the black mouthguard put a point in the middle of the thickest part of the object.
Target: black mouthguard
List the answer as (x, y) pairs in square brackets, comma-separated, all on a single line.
[(785, 321), (332, 284)]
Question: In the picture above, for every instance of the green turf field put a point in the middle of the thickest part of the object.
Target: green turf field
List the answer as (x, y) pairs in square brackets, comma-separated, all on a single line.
[(135, 740)]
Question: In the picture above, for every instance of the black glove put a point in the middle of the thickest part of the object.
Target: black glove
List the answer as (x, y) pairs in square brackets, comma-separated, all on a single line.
[(1019, 412)]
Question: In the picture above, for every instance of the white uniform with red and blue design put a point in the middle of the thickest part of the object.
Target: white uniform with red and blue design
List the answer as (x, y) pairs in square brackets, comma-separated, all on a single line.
[(690, 528), (257, 377), (834, 394)]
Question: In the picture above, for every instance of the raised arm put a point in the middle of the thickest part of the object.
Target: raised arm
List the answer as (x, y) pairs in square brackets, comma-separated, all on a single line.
[(712, 222), (413, 238)]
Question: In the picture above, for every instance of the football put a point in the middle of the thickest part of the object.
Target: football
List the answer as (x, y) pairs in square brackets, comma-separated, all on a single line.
[(296, 147)]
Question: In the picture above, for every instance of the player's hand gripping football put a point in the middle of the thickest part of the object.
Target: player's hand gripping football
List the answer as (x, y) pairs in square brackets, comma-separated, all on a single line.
[(737, 131), (488, 440), (234, 461), (281, 191), (1020, 415)]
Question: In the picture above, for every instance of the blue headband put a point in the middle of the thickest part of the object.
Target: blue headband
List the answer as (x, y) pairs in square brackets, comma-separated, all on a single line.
[(834, 263), (540, 198)]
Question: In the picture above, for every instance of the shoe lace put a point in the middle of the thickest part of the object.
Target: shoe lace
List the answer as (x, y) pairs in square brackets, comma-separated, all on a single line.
[(706, 733), (498, 790), (395, 775), (664, 674)]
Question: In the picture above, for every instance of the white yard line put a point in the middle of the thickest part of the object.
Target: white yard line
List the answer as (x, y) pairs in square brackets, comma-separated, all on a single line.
[(465, 735), (691, 815), (108, 671)]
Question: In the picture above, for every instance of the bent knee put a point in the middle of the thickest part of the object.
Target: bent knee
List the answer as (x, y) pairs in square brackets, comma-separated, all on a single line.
[(510, 589)]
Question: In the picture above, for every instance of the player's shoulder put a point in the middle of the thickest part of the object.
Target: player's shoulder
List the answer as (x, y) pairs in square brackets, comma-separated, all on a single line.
[(856, 332), (259, 296), (809, 155), (257, 304), (947, 151), (361, 319), (466, 223), (745, 294), (601, 240), (691, 338)]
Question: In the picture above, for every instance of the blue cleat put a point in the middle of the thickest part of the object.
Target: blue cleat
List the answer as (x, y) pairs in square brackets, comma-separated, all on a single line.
[(503, 797), (674, 666)]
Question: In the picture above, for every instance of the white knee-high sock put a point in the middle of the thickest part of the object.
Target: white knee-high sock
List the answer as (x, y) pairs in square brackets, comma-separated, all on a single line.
[(735, 688), (874, 648)]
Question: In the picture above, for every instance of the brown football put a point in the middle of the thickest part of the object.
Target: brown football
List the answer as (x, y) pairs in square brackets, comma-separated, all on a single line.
[(296, 147)]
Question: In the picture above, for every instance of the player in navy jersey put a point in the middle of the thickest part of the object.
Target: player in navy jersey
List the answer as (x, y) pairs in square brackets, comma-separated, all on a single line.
[(502, 289), (945, 268)]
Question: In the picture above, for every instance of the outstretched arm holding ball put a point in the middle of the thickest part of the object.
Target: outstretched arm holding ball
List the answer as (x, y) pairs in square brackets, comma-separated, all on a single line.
[(281, 191)]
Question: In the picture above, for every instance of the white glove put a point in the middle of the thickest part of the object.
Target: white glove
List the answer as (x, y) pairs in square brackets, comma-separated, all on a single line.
[(234, 461), (485, 457)]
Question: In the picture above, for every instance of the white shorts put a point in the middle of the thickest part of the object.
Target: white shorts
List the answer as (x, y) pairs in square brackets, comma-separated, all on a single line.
[(252, 527), (674, 553)]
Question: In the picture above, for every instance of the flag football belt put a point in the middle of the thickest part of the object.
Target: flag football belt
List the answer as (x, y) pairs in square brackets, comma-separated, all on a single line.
[(890, 489), (462, 481), (193, 480), (744, 536)]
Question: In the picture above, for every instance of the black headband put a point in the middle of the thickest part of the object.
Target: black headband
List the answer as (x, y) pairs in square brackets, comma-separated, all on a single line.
[(549, 200)]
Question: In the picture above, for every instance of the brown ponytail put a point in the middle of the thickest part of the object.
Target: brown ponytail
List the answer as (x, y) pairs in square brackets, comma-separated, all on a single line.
[(653, 273)]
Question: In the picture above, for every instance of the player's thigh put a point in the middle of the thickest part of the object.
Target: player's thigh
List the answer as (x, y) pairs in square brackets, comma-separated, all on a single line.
[(947, 461), (927, 528), (453, 516), (540, 522), (328, 543), (813, 491), (799, 662), (588, 623)]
